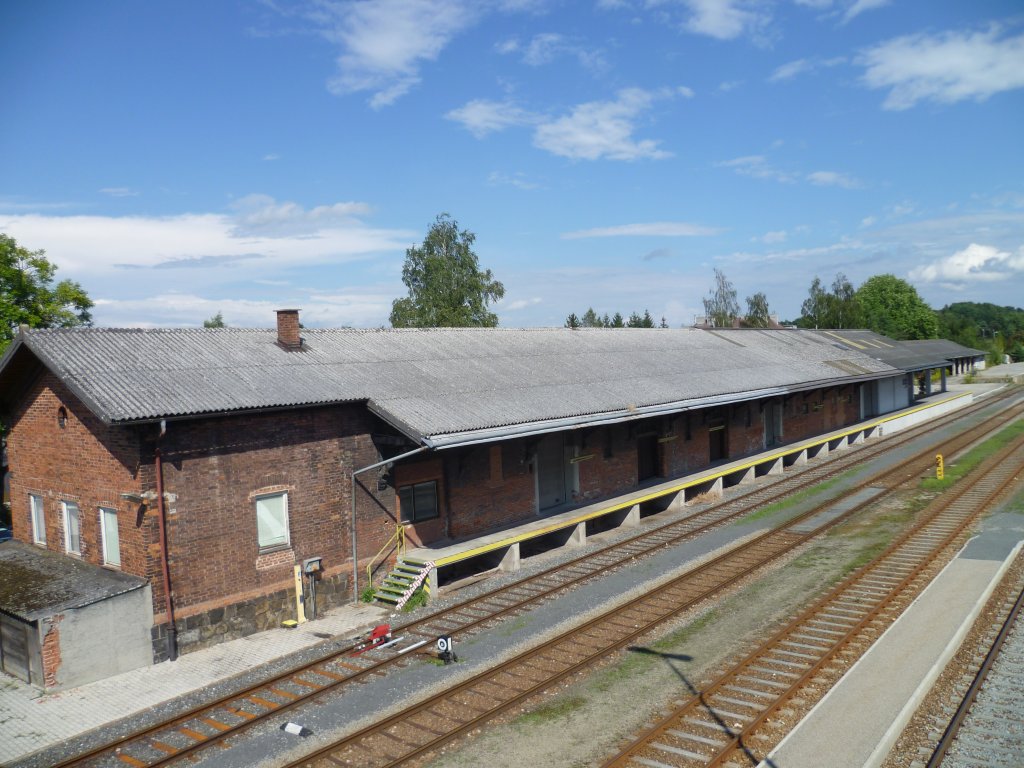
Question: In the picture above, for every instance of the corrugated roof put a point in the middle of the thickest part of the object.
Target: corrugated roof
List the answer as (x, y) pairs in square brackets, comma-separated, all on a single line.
[(434, 381), (916, 355), (35, 583)]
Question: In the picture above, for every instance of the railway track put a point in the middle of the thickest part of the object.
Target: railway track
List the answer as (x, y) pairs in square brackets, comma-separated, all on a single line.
[(730, 722), (987, 726), (198, 729)]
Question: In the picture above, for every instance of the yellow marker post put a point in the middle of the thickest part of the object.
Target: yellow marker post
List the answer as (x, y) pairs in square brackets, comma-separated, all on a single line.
[(300, 610), (940, 470)]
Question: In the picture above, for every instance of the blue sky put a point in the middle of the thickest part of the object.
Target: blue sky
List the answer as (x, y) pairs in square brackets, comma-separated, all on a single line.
[(183, 159)]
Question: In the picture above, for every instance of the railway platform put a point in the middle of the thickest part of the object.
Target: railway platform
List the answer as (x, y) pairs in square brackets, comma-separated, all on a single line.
[(860, 719), (504, 549)]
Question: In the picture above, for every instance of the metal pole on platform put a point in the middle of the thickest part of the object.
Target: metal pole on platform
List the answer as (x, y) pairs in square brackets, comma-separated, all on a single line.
[(352, 493)]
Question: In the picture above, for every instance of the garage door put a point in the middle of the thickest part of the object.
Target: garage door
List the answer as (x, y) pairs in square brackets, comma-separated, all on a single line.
[(19, 650)]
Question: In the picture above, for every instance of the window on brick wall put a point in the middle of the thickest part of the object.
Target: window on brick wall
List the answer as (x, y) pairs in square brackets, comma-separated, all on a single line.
[(35, 504), (111, 541), (272, 520), (72, 527), (418, 502)]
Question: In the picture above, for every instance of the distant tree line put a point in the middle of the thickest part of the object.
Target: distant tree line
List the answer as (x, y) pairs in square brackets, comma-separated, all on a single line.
[(591, 319)]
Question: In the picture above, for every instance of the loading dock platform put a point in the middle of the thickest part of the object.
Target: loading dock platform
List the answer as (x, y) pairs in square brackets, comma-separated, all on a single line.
[(504, 549)]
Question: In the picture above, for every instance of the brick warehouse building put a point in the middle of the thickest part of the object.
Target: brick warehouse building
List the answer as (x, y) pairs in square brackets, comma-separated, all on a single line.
[(213, 461)]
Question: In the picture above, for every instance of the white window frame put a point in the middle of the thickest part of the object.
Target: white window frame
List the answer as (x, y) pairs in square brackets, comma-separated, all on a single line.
[(266, 542), (66, 509), (110, 537), (37, 509)]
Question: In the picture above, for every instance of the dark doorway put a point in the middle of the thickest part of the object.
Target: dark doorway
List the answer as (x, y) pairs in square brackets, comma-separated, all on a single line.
[(647, 457), (718, 442), (772, 423), (557, 478)]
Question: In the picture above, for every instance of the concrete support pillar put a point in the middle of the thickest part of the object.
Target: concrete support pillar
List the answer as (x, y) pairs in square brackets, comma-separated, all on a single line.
[(818, 451), (431, 581), (857, 439), (801, 458), (510, 562), (677, 503), (775, 468), (749, 475), (578, 537), (716, 489), (839, 444), (943, 380), (632, 518)]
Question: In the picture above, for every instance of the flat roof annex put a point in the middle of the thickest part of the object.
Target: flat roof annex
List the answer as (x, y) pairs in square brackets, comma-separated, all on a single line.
[(441, 386)]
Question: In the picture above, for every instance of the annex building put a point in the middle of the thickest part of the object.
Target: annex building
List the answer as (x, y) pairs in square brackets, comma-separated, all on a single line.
[(197, 478)]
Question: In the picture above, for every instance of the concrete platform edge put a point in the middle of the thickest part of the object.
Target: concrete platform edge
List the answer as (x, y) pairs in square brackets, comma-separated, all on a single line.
[(888, 739)]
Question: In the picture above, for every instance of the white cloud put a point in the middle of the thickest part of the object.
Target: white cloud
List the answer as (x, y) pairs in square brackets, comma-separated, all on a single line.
[(263, 216), (518, 304), (778, 236), (119, 192), (602, 130), (517, 180), (265, 235), (649, 229), (975, 263), (790, 70), (386, 42), (833, 179), (868, 221), (724, 19), (860, 6), (758, 167), (481, 116), (801, 66), (545, 47), (188, 309), (945, 68)]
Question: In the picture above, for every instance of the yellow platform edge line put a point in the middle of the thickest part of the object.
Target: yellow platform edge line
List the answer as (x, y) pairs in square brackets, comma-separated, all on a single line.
[(700, 480)]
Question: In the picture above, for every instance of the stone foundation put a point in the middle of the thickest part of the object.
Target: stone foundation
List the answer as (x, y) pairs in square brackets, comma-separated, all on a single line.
[(231, 622)]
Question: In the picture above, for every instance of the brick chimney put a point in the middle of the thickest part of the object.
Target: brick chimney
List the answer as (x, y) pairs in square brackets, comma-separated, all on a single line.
[(288, 329)]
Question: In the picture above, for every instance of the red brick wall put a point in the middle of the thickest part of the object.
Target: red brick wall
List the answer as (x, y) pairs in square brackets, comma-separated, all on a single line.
[(51, 651), (614, 466), (479, 497), (84, 461), (422, 472), (217, 466)]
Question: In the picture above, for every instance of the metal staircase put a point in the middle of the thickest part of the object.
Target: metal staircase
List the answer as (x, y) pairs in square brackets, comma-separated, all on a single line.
[(403, 581)]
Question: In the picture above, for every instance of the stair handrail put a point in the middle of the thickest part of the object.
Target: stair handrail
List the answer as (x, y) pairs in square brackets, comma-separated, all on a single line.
[(427, 568), (399, 537)]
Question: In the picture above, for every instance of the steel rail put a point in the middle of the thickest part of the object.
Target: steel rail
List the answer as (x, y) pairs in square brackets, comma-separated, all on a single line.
[(949, 735), (404, 720), (740, 738), (306, 691)]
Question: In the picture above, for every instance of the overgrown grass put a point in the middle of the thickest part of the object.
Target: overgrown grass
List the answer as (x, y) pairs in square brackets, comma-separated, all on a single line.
[(418, 599), (509, 628), (636, 664), (367, 594), (974, 457), (797, 498), (561, 708)]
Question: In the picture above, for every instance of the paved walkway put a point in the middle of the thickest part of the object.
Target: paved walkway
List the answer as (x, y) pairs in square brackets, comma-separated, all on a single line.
[(860, 719), (31, 720)]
